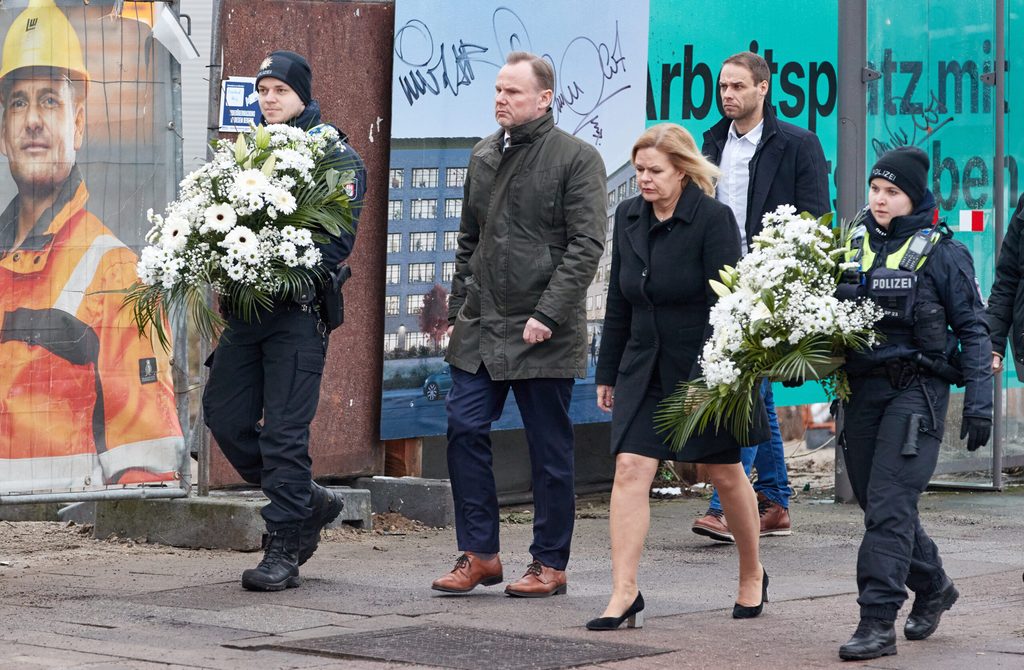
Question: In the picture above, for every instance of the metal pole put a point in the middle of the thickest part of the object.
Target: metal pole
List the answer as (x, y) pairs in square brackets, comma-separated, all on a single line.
[(143, 493), (998, 196), (179, 324), (212, 126), (853, 111)]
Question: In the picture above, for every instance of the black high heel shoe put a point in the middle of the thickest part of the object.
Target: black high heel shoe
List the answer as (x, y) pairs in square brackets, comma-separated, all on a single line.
[(634, 617), (742, 612)]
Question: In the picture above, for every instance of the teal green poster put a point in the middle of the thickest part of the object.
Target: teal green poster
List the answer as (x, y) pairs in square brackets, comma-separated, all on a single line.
[(687, 43)]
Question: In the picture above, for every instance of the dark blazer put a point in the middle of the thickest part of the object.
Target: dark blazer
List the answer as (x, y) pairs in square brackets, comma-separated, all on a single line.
[(788, 168), (1006, 303), (658, 306)]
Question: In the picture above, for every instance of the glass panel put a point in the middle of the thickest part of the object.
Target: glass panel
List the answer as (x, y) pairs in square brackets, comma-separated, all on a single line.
[(931, 56)]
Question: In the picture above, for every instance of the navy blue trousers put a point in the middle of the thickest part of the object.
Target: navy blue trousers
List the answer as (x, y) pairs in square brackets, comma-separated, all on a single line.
[(261, 396), (896, 552), (475, 401)]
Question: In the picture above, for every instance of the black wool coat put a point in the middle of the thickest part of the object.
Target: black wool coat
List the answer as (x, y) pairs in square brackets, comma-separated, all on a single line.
[(658, 307), (1005, 310)]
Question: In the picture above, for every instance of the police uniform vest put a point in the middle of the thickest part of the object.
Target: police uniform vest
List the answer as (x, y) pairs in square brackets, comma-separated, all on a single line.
[(893, 284)]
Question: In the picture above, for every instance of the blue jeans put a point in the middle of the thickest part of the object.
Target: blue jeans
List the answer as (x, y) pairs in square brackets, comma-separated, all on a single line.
[(768, 458)]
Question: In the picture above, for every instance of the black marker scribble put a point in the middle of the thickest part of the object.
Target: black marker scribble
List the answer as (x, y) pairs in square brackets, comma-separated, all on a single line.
[(584, 71)]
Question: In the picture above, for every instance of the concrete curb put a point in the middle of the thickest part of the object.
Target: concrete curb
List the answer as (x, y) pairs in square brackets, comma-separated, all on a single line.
[(426, 500)]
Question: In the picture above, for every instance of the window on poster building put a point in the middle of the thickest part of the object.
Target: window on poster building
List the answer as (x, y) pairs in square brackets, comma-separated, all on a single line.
[(424, 177), (415, 338), (422, 241), (447, 271), (393, 274), (421, 272), (455, 177), (453, 208), (394, 210), (394, 243), (390, 342), (423, 209), (397, 176), (451, 240), (413, 304), (391, 305)]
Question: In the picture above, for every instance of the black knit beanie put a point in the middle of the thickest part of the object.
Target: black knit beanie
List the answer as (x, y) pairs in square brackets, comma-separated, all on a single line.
[(907, 167), (292, 69)]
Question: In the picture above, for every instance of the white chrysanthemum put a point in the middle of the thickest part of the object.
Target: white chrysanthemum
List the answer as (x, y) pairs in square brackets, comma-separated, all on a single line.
[(311, 257), (218, 218), (283, 201), (250, 183)]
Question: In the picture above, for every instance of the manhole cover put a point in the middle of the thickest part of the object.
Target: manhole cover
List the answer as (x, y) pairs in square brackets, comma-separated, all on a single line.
[(468, 648)]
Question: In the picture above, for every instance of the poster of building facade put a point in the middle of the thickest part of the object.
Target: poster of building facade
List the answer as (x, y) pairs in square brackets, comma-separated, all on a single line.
[(445, 63)]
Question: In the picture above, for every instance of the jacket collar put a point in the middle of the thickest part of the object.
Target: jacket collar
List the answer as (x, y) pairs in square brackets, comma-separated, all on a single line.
[(310, 118), (640, 218), (71, 191), (719, 132), (526, 133)]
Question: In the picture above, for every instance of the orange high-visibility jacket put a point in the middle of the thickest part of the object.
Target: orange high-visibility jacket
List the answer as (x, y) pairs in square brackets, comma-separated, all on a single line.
[(84, 401)]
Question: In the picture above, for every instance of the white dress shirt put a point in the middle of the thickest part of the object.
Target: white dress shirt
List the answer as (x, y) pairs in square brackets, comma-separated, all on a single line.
[(735, 179)]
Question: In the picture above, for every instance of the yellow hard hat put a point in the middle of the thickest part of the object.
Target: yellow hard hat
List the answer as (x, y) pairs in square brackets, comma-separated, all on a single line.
[(41, 36)]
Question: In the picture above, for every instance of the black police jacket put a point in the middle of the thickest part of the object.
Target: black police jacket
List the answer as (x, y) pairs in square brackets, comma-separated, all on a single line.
[(339, 248), (948, 279), (1006, 302)]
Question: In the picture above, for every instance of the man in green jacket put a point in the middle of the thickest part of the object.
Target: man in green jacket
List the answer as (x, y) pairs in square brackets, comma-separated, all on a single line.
[(530, 239)]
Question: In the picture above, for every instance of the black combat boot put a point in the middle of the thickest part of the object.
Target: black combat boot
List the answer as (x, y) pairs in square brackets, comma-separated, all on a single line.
[(327, 505), (279, 568), (927, 610), (873, 638)]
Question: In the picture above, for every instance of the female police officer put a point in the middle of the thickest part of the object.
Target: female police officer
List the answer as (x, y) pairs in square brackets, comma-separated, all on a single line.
[(934, 333)]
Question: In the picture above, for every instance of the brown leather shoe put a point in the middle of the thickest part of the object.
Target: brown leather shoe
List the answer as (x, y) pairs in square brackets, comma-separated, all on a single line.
[(540, 581), (713, 525), (469, 572), (774, 517)]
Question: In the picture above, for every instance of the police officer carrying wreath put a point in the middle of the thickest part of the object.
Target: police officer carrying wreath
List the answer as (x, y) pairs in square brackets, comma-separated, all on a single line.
[(265, 374), (934, 333)]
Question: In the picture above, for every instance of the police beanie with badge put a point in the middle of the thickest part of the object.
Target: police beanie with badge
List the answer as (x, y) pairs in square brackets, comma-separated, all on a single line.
[(292, 69), (907, 168)]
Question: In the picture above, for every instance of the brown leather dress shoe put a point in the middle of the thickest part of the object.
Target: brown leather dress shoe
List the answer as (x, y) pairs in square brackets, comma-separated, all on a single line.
[(540, 581), (713, 525), (469, 572), (774, 517)]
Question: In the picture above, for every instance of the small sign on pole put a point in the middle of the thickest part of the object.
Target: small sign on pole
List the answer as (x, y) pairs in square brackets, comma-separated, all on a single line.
[(239, 105)]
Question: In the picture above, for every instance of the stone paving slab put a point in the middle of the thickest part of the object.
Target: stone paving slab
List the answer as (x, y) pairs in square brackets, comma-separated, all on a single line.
[(103, 605)]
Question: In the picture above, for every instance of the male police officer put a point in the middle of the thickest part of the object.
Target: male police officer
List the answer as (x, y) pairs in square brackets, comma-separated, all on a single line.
[(925, 284), (270, 368)]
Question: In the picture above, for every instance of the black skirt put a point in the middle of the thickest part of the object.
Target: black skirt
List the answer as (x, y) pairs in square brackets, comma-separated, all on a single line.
[(640, 438)]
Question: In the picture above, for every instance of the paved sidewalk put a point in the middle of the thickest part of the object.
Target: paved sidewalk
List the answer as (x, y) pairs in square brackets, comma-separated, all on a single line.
[(88, 604)]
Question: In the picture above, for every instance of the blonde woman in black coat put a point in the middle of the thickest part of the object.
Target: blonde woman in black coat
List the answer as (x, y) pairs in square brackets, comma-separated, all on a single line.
[(669, 241)]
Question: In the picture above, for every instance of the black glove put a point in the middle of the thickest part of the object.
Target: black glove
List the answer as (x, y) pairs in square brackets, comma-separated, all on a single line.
[(976, 430)]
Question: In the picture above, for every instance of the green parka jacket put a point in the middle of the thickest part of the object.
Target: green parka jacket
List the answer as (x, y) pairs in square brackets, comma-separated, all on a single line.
[(530, 238)]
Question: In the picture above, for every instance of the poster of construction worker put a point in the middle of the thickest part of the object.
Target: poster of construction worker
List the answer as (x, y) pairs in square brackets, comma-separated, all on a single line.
[(85, 403)]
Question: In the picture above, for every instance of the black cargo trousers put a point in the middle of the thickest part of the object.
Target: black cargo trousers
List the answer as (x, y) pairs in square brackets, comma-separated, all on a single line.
[(895, 552), (261, 396)]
